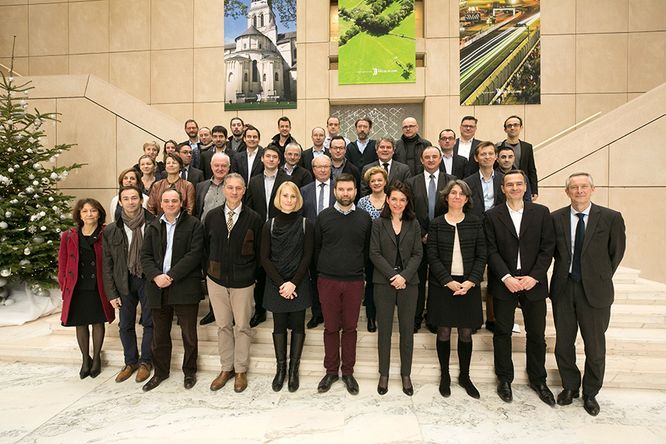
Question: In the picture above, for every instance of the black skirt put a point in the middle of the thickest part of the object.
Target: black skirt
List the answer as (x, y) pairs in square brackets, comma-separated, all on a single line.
[(446, 310)]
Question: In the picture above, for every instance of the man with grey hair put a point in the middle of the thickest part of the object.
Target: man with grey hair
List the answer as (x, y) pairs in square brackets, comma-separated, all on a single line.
[(292, 157), (591, 241)]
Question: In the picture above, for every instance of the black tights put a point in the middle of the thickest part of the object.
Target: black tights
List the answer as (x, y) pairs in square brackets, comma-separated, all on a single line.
[(295, 321), (444, 334), (83, 338)]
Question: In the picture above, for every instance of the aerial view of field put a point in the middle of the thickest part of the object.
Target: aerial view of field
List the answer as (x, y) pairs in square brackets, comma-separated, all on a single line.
[(377, 42)]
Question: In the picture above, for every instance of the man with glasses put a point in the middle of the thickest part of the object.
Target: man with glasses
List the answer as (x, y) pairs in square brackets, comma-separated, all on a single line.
[(452, 163), (466, 144), (522, 150), (339, 162), (410, 145)]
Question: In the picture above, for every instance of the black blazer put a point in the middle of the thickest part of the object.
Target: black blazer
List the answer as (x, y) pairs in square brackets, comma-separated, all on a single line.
[(472, 165), (535, 245), (603, 248), (420, 193), (459, 166), (300, 176), (474, 182), (441, 236), (310, 200), (207, 156), (239, 164), (527, 164), (194, 175), (308, 156), (255, 197), (398, 171), (359, 159), (383, 250)]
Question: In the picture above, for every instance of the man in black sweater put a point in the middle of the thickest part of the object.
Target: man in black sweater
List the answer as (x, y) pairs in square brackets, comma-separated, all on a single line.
[(342, 237)]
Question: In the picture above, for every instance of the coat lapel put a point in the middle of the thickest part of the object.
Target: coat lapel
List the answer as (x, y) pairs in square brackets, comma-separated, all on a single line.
[(386, 224), (566, 224), (592, 222), (506, 220), (525, 221)]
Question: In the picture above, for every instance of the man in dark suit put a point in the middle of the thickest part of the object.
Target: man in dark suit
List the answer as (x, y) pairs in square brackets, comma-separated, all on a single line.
[(591, 242), (452, 163), (506, 161), (297, 174), (192, 131), (340, 164), (189, 173), (247, 162), (237, 127), (520, 241), (317, 149), (260, 196), (317, 196), (522, 150), (427, 204), (220, 145), (362, 151), (466, 144), (396, 170), (410, 145)]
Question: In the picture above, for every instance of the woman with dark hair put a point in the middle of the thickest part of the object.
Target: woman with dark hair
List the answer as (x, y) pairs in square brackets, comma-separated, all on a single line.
[(127, 178), (147, 168), (456, 250), (80, 278), (376, 178), (287, 245), (396, 252), (173, 165)]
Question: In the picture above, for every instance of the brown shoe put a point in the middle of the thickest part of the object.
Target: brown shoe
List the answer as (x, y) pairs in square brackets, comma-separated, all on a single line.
[(144, 371), (126, 372), (221, 380), (240, 383)]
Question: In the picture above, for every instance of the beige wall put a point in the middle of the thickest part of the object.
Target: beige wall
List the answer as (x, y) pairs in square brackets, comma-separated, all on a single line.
[(596, 55)]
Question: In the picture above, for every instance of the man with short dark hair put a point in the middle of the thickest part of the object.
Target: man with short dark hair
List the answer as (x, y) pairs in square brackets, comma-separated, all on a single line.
[(342, 238), (292, 157), (333, 129), (283, 137), (520, 241), (591, 241), (523, 151), (317, 149), (362, 151), (247, 161), (506, 161), (410, 145), (237, 127), (192, 131), (339, 162), (189, 173), (124, 282), (452, 163), (220, 145), (466, 144), (396, 170)]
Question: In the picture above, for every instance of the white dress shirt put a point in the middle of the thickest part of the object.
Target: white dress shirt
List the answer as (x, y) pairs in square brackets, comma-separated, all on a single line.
[(574, 225)]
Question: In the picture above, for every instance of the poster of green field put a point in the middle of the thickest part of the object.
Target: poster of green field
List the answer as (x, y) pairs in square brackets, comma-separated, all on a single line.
[(377, 42), (500, 52)]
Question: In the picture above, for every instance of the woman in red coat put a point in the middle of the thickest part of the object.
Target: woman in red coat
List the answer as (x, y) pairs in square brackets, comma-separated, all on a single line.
[(80, 277)]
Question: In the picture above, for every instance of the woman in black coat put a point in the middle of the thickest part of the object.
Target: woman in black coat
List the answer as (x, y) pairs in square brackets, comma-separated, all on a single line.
[(396, 251), (287, 244), (456, 250)]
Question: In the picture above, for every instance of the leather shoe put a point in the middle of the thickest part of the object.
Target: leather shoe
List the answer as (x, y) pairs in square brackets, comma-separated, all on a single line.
[(221, 380), (326, 382), (189, 381), (382, 385), (144, 371), (208, 319), (504, 391), (257, 319), (544, 393), (152, 383), (566, 397), (126, 372), (240, 383), (591, 405), (351, 384), (407, 387), (316, 320), (372, 325)]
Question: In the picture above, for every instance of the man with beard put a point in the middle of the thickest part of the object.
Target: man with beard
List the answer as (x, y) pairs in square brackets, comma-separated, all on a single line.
[(362, 151), (192, 131), (237, 128)]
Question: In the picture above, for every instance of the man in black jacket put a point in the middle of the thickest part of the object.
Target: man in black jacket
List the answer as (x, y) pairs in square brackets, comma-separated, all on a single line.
[(171, 260), (410, 145), (124, 281), (232, 234), (362, 151), (523, 152), (283, 137)]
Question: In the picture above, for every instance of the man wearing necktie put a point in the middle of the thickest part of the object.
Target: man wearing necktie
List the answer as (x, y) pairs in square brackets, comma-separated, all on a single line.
[(591, 242)]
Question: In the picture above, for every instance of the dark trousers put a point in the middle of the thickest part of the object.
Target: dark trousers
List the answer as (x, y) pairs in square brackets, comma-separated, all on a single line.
[(162, 321), (421, 302), (127, 324), (340, 304), (571, 310), (259, 291), (316, 305), (386, 298), (369, 298), (534, 314)]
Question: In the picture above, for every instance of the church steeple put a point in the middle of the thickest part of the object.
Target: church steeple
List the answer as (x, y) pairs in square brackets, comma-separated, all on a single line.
[(260, 15)]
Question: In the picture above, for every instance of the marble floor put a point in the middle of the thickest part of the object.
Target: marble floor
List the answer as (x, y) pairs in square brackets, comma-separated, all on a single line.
[(48, 403)]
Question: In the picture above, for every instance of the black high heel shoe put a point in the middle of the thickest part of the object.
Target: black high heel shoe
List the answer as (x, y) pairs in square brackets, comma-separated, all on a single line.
[(407, 387), (96, 367), (382, 386), (85, 367)]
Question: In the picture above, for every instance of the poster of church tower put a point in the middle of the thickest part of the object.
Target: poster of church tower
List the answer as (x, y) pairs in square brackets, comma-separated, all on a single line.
[(260, 54)]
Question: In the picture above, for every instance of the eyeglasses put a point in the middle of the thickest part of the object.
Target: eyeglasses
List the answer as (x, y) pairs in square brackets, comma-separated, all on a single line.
[(468, 126), (512, 125), (408, 126), (447, 138), (322, 167)]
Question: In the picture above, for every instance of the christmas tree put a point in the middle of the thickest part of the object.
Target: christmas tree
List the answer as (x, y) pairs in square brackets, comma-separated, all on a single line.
[(33, 212)]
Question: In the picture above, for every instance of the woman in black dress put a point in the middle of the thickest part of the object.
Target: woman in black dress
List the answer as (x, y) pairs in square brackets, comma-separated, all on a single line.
[(287, 245), (456, 251), (80, 278)]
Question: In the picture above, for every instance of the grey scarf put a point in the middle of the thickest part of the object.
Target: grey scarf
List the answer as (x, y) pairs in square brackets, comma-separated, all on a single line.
[(134, 254)]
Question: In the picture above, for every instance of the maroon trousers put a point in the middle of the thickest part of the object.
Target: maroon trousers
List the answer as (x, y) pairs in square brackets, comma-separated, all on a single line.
[(340, 305)]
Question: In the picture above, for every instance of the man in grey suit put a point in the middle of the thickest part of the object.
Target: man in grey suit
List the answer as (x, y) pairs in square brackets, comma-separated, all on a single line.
[(396, 171), (590, 244)]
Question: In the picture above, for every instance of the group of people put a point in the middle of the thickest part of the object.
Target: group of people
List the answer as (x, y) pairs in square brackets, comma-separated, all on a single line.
[(382, 223)]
